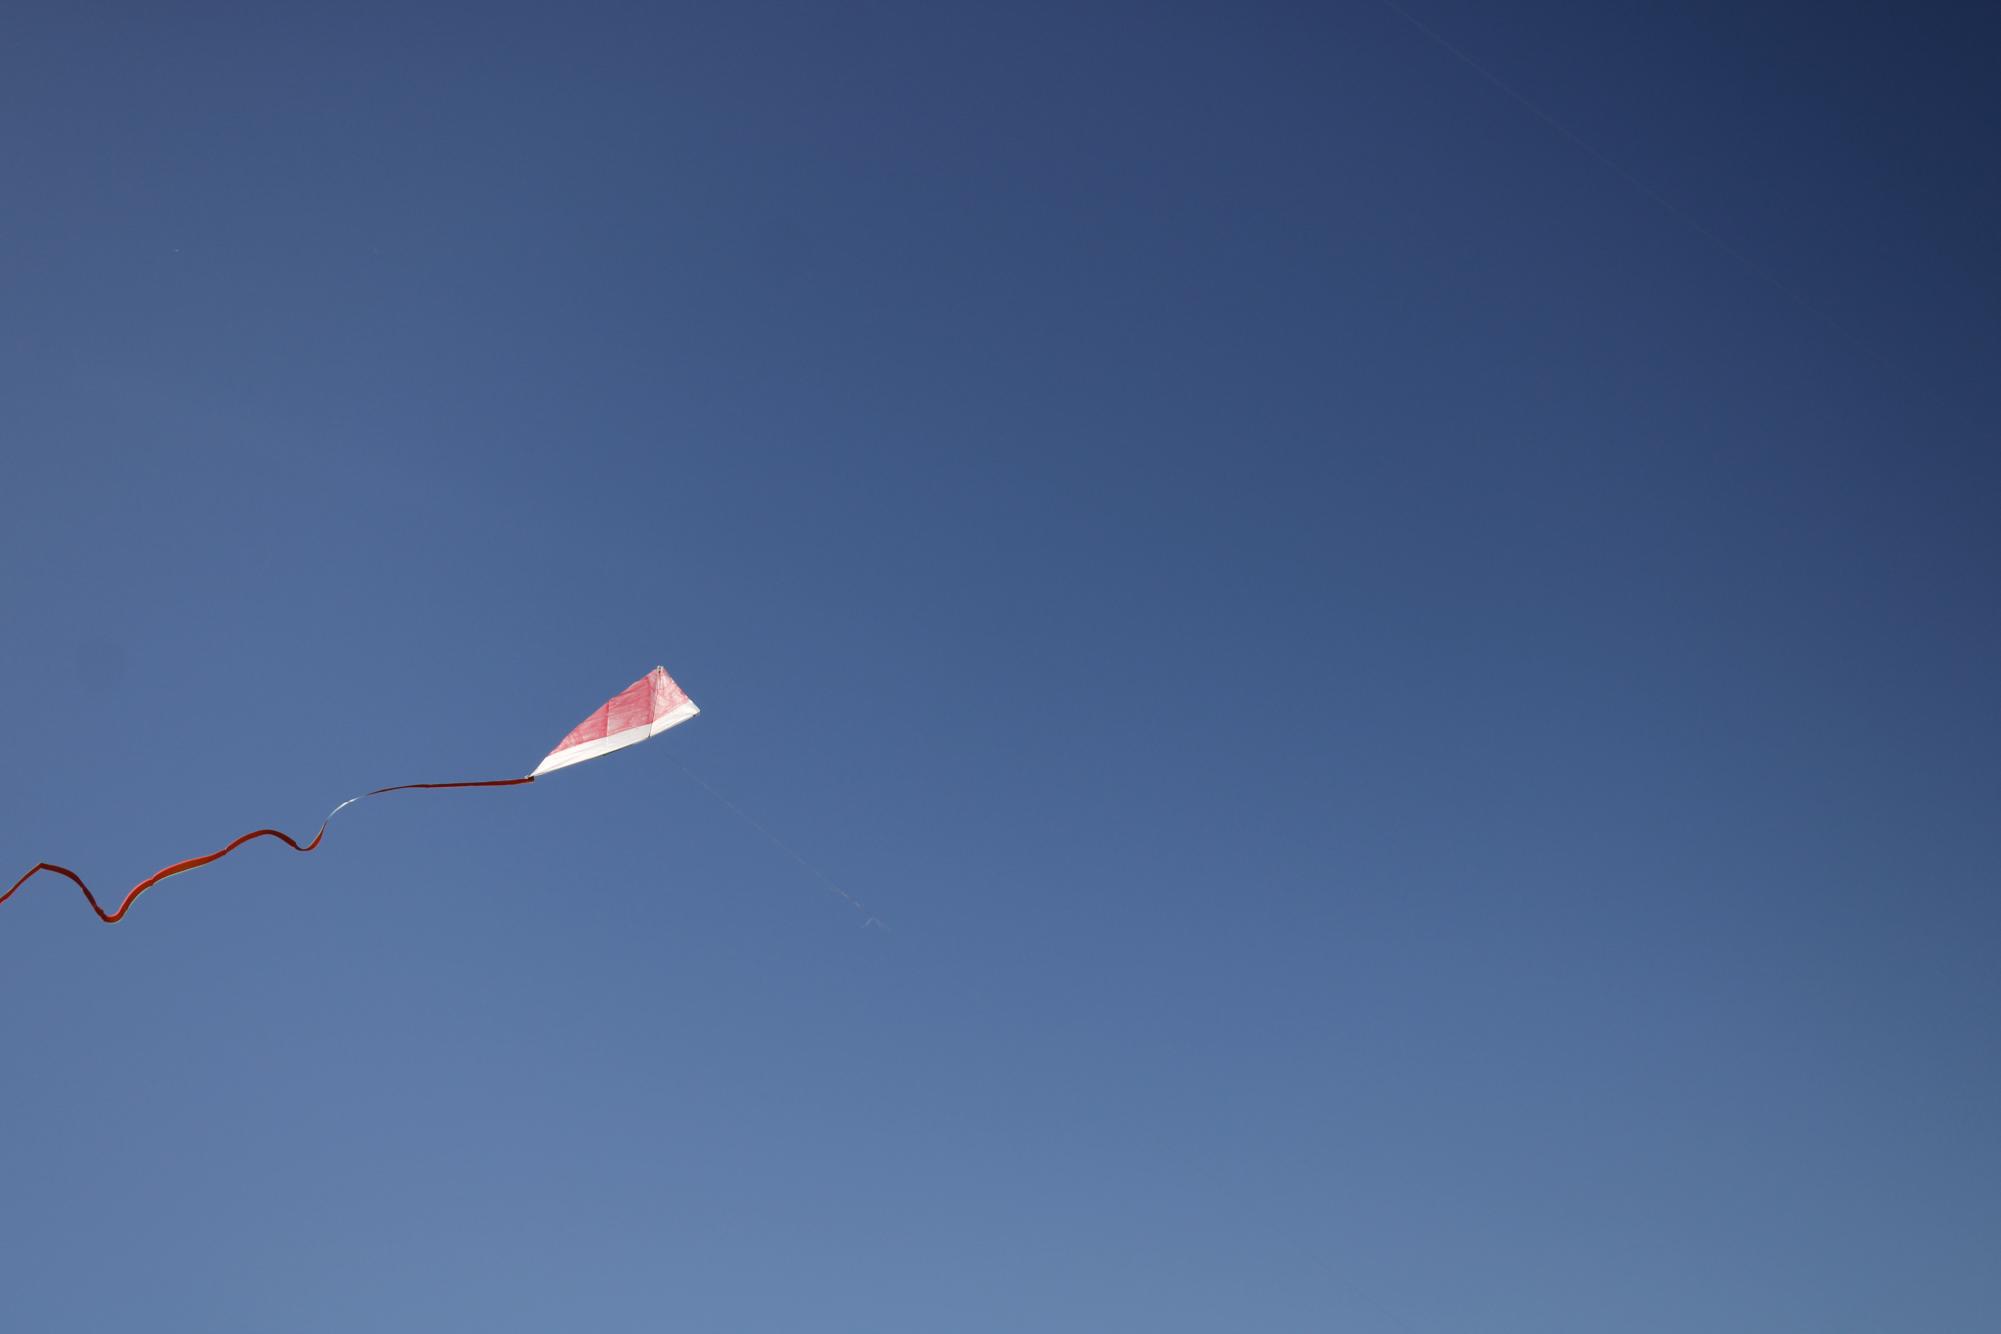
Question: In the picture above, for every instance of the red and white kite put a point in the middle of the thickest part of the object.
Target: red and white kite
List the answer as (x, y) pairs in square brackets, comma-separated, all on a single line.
[(646, 708)]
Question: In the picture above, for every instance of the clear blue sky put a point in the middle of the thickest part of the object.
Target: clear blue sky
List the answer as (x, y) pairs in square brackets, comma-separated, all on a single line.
[(1426, 733)]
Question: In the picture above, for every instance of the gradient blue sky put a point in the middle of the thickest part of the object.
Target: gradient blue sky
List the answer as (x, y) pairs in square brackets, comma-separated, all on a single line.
[(1426, 734)]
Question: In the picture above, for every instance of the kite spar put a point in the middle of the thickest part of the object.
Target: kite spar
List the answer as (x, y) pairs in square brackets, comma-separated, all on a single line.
[(646, 708)]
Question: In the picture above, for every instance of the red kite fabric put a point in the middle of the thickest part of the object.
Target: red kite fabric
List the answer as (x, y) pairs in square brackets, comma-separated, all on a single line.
[(646, 708)]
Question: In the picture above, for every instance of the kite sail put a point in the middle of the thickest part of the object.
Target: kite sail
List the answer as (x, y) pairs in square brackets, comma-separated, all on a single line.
[(646, 708)]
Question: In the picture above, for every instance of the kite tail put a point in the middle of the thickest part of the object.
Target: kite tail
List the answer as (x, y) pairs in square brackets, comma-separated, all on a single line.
[(193, 862)]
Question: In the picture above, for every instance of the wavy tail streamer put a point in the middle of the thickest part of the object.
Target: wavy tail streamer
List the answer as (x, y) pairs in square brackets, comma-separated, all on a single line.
[(193, 862)]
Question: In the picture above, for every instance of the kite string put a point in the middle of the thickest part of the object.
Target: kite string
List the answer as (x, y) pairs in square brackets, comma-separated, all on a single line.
[(193, 862), (868, 918)]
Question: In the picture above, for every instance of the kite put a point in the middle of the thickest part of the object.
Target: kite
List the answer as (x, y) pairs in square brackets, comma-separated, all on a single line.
[(646, 708)]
